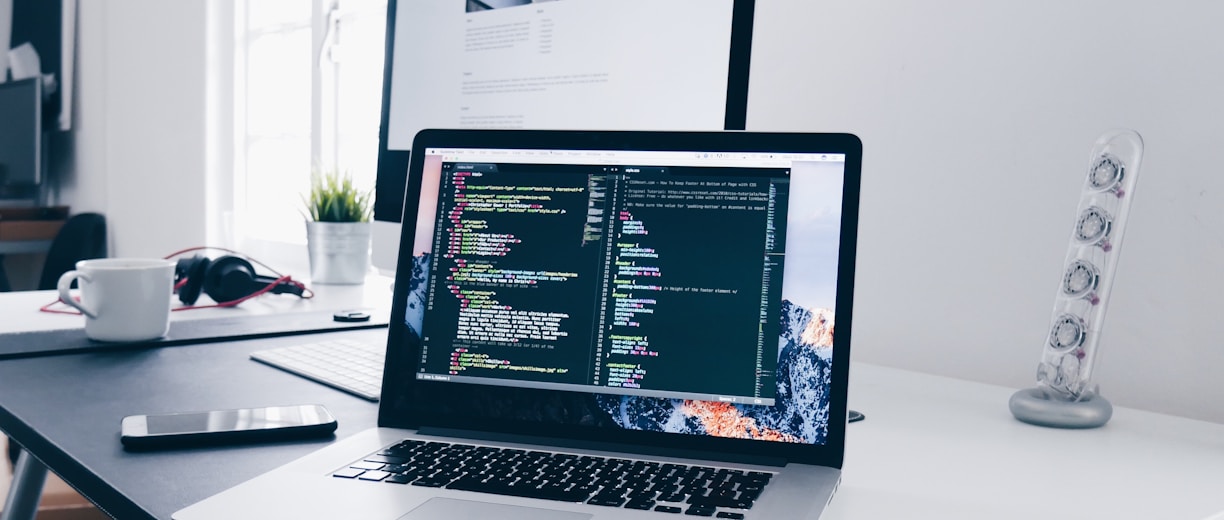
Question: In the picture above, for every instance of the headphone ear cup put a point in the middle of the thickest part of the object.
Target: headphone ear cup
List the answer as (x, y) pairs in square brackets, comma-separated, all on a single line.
[(193, 270), (230, 278)]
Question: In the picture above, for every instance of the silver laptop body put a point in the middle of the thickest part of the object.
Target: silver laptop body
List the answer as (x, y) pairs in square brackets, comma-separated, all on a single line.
[(661, 299)]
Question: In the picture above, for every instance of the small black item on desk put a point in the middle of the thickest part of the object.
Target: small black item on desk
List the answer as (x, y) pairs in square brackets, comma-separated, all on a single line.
[(351, 316), (856, 416), (180, 430)]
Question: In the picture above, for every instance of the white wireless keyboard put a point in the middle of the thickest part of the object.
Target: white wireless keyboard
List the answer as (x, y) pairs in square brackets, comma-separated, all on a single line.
[(351, 366)]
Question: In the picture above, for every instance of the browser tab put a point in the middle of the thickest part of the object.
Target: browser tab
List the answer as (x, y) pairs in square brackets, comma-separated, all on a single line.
[(646, 169), (476, 167)]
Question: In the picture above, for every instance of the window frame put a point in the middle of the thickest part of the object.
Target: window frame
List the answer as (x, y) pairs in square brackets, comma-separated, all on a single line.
[(232, 222)]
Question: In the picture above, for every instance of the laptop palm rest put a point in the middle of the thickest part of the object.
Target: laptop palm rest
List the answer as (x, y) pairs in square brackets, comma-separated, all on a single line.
[(453, 509)]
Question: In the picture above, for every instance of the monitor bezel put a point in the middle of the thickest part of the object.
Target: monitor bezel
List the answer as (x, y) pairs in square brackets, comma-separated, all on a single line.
[(16, 188), (402, 350)]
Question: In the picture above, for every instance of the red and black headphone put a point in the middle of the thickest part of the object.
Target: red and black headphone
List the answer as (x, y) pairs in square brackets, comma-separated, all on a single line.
[(228, 280)]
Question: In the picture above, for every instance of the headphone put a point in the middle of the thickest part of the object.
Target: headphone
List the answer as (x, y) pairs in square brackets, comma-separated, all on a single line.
[(226, 279)]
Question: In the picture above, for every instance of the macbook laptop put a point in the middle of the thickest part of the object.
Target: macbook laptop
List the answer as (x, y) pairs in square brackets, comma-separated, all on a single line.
[(603, 325)]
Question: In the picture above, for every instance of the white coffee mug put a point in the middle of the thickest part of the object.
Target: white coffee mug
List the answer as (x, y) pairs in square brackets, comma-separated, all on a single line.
[(123, 299)]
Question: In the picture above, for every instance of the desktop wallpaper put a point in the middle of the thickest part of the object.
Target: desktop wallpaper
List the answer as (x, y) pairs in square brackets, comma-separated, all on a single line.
[(805, 343)]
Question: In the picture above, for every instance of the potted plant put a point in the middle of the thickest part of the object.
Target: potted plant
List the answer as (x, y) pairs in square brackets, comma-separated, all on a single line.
[(337, 229)]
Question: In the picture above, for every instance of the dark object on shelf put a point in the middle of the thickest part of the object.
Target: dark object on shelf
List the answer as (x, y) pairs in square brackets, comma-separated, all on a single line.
[(31, 223), (20, 230), (40, 213)]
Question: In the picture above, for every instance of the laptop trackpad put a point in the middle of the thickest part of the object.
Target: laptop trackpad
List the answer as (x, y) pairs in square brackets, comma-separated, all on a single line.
[(452, 509)]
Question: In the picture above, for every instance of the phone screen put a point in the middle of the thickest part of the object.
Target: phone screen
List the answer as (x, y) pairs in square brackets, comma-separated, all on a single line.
[(232, 420)]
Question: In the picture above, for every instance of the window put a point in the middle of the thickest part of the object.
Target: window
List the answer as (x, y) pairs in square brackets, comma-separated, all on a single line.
[(308, 87)]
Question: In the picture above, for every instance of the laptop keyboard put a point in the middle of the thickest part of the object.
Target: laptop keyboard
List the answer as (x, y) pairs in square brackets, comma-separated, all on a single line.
[(612, 482), (352, 366)]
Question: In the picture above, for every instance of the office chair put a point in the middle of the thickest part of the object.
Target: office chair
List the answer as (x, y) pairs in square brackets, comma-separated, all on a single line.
[(83, 237)]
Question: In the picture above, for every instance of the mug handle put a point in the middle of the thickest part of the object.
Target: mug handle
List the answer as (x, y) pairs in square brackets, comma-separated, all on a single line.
[(65, 283)]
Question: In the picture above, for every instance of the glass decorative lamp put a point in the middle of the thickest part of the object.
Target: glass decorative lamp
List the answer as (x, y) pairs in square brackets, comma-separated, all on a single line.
[(1065, 396)]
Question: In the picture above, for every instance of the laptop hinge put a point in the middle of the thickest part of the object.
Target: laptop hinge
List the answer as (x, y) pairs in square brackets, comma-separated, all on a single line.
[(554, 442)]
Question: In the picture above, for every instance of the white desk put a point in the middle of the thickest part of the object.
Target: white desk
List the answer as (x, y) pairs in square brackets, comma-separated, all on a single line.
[(939, 448), (19, 310)]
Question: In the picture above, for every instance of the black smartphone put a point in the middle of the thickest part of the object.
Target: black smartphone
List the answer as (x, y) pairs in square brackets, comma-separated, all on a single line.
[(271, 423)]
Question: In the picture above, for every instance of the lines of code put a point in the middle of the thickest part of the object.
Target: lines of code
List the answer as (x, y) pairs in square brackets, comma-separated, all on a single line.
[(499, 274), (631, 345), (463, 359), (628, 273), (685, 258), (625, 375), (485, 319), (618, 278)]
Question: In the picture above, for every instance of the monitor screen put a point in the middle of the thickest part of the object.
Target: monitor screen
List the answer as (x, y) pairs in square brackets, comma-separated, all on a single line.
[(563, 64), (20, 135)]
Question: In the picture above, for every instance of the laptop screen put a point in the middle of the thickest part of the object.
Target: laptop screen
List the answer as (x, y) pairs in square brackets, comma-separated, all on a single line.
[(678, 291)]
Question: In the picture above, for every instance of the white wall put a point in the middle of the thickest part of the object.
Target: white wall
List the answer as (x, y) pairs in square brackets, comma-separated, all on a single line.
[(977, 119), (140, 123)]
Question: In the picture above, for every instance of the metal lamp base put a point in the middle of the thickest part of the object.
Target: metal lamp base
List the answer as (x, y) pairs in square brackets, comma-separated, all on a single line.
[(1036, 406)]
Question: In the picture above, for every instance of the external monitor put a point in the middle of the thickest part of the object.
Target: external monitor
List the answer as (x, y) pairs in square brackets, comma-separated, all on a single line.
[(564, 64), (20, 137)]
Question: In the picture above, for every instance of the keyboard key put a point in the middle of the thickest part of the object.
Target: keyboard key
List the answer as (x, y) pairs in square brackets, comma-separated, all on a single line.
[(365, 464), (699, 510), (644, 505), (732, 516), (672, 497), (431, 482), (386, 459), (668, 509), (723, 498), (348, 473), (399, 479), (602, 500), (641, 494), (374, 475), (750, 493)]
